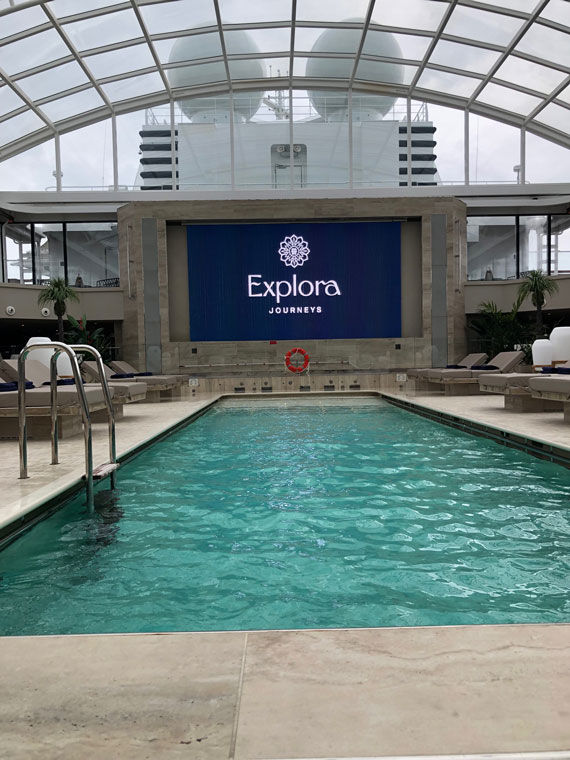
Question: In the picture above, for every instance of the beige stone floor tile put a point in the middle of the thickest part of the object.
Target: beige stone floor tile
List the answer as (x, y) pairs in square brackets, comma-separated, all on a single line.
[(143, 696), (406, 691)]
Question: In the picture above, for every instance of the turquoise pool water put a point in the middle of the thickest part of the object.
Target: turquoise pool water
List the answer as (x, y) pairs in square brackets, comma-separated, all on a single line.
[(301, 516)]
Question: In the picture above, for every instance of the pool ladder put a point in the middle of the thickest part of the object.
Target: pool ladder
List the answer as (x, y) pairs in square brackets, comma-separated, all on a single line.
[(109, 468)]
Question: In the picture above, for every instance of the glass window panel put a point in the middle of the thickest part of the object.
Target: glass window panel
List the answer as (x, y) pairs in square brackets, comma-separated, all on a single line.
[(132, 87), (63, 8), (191, 76), (49, 252), (330, 68), (415, 14), (31, 170), (555, 116), (491, 248), (262, 152), (252, 69), (87, 100), (193, 47), (19, 253), (466, 57), (305, 37), (52, 81), (92, 254), (299, 67), (545, 161), (9, 101), (119, 61), (384, 72), (533, 75), (557, 10), (449, 123), (441, 81), (32, 51), (477, 24), (129, 141), (560, 244), (92, 168), (18, 126), (494, 151), (547, 43), (533, 242), (179, 14), (103, 30), (270, 40), (204, 156), (507, 99), (23, 20), (412, 46), (564, 95), (236, 11), (341, 10)]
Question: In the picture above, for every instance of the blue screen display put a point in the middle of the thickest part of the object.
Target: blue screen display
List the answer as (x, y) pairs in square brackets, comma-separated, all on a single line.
[(294, 281)]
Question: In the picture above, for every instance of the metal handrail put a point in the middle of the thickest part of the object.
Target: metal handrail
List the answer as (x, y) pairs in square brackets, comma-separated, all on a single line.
[(108, 402), (87, 430)]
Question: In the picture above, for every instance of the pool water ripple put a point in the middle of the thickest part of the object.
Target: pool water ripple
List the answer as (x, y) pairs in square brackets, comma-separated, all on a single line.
[(301, 517)]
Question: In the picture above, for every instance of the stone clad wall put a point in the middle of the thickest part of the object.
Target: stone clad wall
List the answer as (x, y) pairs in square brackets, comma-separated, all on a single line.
[(360, 353)]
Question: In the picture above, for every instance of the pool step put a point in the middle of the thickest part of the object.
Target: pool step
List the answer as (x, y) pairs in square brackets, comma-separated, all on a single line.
[(105, 469)]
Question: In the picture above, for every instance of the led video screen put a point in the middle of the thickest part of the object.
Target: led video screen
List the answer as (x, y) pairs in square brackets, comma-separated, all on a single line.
[(294, 281)]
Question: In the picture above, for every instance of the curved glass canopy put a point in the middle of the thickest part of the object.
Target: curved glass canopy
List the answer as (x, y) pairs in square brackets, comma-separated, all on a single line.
[(65, 64)]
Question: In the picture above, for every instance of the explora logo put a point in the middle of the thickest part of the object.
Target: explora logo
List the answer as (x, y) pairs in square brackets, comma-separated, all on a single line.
[(293, 252)]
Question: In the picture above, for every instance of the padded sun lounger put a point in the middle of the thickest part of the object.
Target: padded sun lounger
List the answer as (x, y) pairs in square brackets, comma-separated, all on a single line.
[(157, 386), (503, 362), (553, 388), (122, 367), (38, 374), (467, 362)]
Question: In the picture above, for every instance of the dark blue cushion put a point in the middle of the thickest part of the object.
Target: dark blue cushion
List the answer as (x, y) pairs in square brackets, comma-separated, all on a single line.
[(123, 374), (143, 374), (484, 366), (67, 381), (563, 370), (548, 370), (455, 366), (13, 386)]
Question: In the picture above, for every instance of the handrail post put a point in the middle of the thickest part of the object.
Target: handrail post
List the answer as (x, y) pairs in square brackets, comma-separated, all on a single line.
[(53, 407), (108, 402), (22, 429)]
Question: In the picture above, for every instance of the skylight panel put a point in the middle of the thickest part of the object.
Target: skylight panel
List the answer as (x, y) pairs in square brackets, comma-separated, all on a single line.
[(411, 14), (19, 126), (54, 80), (533, 75), (9, 101), (103, 30), (558, 11), (508, 100), (238, 11), (32, 51), (62, 8), (25, 19), (464, 57), (176, 15), (341, 10), (476, 24), (546, 43), (555, 116), (443, 82), (371, 71), (124, 89), (71, 105), (120, 61)]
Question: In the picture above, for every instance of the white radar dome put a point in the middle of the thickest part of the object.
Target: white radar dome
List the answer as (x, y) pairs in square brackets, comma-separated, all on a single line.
[(328, 104), (203, 46)]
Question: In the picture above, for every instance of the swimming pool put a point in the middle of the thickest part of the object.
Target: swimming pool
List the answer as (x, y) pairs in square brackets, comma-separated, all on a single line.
[(349, 513)]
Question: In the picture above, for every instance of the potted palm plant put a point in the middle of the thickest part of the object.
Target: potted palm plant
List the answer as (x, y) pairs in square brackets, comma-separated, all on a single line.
[(57, 293), (537, 286)]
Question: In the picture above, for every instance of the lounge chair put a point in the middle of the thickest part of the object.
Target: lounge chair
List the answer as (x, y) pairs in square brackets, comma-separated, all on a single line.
[(552, 388), (38, 373), (38, 411), (157, 386), (465, 363), (124, 368), (515, 387), (460, 382)]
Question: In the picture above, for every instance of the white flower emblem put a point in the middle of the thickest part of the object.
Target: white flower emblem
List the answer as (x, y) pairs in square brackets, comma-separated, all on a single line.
[(293, 251)]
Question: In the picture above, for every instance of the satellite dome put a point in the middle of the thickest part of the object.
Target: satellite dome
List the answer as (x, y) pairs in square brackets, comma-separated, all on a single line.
[(204, 46), (382, 44)]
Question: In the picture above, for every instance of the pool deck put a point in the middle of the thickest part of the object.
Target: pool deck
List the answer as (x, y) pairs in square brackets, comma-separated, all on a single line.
[(440, 691)]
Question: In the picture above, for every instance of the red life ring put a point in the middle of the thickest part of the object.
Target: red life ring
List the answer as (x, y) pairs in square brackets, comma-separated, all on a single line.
[(293, 367)]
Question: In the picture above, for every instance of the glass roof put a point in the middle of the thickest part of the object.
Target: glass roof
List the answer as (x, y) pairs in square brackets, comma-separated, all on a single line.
[(65, 64)]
